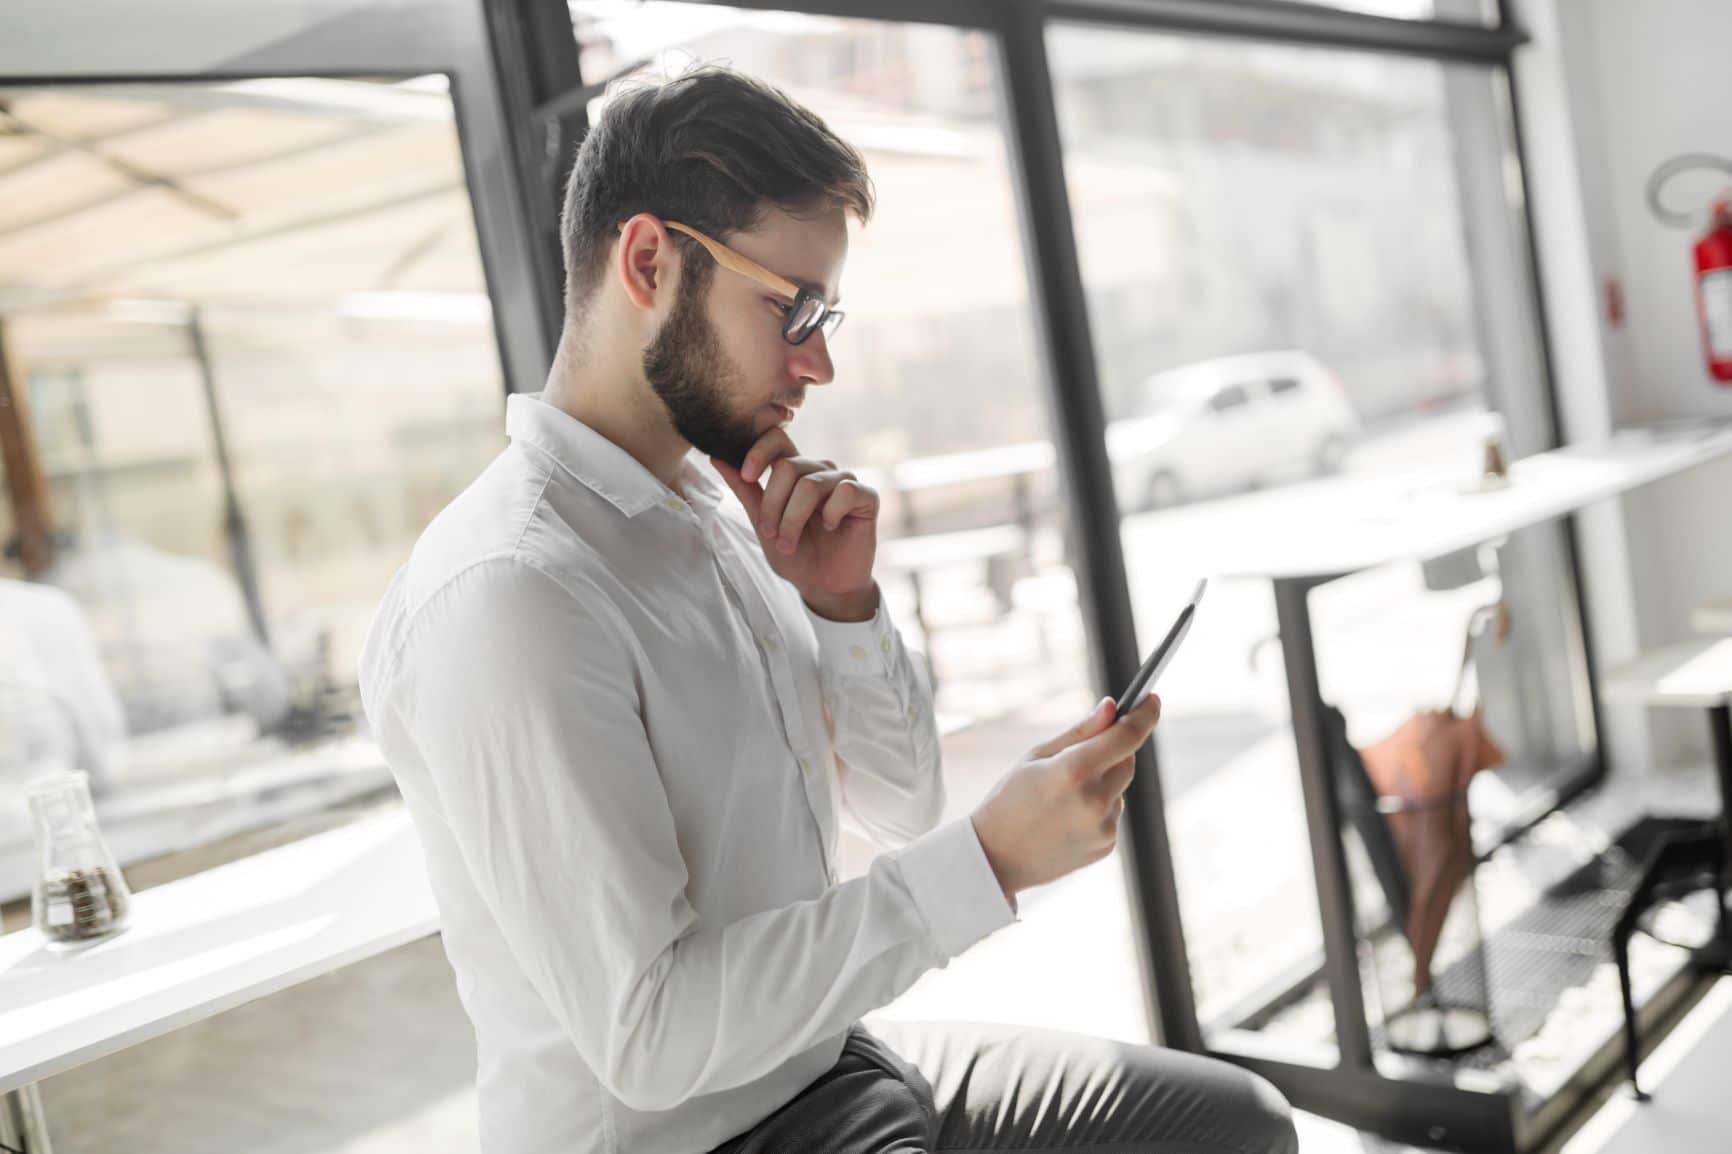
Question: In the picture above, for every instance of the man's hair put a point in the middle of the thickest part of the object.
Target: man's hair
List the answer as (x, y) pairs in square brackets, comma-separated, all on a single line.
[(711, 149)]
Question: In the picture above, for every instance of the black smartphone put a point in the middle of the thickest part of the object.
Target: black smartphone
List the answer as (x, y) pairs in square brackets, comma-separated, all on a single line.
[(1162, 656)]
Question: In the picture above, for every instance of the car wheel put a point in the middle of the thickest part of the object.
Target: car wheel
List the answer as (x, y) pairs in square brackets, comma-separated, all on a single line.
[(1330, 456), (1163, 491)]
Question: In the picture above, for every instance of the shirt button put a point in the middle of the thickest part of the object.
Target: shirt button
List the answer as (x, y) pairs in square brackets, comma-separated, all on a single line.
[(884, 644), (806, 764), (771, 644), (675, 504), (856, 652)]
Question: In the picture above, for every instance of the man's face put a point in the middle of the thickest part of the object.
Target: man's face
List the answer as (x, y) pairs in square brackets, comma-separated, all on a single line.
[(719, 362)]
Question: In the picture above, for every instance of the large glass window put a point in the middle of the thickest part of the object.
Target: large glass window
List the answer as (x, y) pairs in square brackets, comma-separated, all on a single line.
[(939, 397), (1284, 254), (250, 342)]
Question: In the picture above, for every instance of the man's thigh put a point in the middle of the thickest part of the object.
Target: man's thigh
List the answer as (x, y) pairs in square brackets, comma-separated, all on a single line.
[(996, 1087), (870, 1102)]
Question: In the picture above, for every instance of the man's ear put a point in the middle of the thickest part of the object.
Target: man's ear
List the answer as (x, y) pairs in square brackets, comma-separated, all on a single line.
[(646, 263)]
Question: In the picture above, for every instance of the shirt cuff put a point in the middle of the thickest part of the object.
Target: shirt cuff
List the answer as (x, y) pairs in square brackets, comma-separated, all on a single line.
[(856, 648), (954, 886)]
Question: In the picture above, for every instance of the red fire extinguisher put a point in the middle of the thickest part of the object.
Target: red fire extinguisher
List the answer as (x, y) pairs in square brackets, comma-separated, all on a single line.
[(1714, 291), (1713, 262)]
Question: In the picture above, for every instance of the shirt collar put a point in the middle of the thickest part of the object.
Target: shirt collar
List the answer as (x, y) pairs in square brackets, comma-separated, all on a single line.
[(599, 463)]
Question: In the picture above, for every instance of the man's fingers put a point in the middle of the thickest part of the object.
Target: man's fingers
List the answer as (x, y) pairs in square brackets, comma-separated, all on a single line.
[(771, 447), (1114, 812), (849, 496), (1117, 778), (782, 491), (785, 473), (1120, 740), (1097, 719), (810, 491), (751, 497)]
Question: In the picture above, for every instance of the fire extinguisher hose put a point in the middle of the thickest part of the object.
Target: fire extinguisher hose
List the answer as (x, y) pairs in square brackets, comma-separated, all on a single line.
[(1687, 162)]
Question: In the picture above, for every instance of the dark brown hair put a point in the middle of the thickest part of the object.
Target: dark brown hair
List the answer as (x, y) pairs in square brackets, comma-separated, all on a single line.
[(711, 149)]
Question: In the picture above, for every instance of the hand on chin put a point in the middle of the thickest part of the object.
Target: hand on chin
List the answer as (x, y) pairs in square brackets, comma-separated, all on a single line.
[(817, 524)]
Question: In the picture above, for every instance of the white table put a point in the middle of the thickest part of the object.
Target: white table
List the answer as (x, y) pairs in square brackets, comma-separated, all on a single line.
[(207, 943), (1307, 535), (1331, 528), (1693, 673)]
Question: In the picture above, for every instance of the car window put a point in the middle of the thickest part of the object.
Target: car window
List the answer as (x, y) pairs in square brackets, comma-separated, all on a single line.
[(1231, 397), (1282, 385)]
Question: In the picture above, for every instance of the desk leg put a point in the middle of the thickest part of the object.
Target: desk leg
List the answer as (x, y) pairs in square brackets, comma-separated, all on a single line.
[(23, 1125), (1323, 822)]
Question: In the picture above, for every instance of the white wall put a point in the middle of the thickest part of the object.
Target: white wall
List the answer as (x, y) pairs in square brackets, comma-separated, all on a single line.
[(1637, 84)]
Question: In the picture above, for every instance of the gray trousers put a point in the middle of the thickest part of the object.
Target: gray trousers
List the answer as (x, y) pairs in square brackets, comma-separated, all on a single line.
[(925, 1087)]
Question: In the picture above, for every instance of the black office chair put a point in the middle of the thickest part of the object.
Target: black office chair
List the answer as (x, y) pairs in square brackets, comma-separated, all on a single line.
[(1683, 861)]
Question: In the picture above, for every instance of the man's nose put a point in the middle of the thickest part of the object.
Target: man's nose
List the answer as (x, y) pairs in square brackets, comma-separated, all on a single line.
[(809, 361)]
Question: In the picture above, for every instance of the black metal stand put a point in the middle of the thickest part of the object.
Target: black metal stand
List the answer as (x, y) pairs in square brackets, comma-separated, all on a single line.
[(1323, 823)]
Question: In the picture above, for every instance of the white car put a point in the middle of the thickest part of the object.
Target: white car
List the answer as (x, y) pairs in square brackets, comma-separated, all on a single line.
[(1229, 424)]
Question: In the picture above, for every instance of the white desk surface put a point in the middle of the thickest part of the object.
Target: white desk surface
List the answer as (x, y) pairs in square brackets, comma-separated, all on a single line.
[(1714, 617), (1692, 673), (210, 942), (1343, 525)]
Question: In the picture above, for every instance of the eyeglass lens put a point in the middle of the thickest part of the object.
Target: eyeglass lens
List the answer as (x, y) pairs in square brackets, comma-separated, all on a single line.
[(808, 314)]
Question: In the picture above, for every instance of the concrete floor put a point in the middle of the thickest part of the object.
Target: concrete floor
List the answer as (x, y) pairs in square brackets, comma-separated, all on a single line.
[(1685, 1078)]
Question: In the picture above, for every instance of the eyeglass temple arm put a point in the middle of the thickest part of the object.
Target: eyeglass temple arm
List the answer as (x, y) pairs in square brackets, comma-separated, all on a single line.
[(728, 258)]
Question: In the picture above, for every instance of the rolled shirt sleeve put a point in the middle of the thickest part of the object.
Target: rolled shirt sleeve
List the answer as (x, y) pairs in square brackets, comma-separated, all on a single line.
[(526, 705)]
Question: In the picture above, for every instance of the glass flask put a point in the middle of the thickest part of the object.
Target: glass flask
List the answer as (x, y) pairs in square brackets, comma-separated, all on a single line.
[(80, 895)]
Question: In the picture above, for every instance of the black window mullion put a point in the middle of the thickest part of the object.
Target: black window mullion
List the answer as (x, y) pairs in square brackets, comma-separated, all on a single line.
[(1055, 279), (535, 52)]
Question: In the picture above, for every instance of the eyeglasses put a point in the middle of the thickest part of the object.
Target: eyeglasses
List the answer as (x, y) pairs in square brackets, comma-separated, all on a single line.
[(805, 313)]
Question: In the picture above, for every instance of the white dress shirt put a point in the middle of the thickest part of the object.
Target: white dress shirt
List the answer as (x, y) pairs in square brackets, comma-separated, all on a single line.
[(626, 745)]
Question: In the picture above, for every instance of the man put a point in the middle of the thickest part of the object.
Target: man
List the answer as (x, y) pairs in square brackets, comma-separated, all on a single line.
[(626, 724)]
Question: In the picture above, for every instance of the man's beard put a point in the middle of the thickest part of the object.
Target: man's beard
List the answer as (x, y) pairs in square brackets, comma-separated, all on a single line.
[(693, 377)]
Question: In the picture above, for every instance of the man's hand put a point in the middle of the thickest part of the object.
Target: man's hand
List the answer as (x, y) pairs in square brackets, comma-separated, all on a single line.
[(1058, 809), (818, 524)]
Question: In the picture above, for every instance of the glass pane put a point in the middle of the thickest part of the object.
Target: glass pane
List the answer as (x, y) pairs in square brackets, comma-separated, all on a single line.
[(1482, 12), (249, 329), (938, 398), (1284, 291)]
